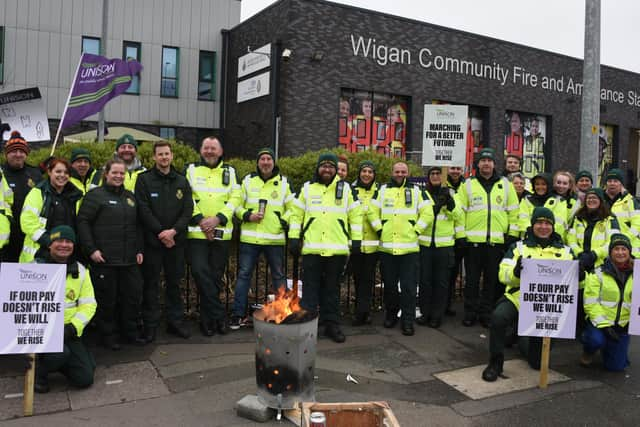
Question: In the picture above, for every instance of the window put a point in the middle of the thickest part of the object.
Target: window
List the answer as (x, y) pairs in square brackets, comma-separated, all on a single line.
[(170, 67), (168, 133), (132, 50), (207, 76), (91, 45), (1, 55)]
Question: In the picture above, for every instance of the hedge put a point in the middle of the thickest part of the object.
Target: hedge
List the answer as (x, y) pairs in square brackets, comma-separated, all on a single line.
[(298, 169)]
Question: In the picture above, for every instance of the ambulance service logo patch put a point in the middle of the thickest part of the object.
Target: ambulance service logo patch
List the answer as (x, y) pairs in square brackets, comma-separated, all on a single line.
[(179, 194)]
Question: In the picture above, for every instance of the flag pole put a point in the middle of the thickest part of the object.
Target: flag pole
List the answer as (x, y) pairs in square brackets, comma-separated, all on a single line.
[(66, 106), (103, 52)]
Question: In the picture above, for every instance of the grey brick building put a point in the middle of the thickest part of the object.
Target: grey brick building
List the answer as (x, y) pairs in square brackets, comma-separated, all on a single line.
[(339, 53)]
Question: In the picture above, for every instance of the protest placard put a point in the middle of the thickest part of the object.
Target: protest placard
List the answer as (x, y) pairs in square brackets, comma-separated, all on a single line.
[(634, 317), (24, 111), (444, 136), (548, 298), (32, 308)]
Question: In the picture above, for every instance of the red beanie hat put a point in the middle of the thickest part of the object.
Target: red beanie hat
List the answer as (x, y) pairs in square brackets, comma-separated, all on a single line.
[(16, 142)]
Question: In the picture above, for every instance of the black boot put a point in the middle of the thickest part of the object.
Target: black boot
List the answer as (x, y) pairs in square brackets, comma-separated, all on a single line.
[(149, 335), (493, 371), (41, 384), (361, 319), (391, 319), (179, 329), (333, 331)]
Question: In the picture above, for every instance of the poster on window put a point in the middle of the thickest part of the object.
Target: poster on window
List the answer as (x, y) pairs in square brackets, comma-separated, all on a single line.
[(525, 137), (444, 136), (372, 121), (605, 151)]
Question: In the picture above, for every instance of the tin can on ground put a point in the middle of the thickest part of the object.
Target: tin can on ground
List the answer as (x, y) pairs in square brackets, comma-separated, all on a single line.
[(317, 419)]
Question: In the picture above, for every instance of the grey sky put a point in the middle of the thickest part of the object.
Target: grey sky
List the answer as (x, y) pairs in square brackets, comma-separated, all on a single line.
[(553, 25)]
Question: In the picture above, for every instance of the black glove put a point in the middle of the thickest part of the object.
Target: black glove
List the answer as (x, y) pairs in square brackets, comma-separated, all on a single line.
[(510, 240), (587, 260), (611, 333), (294, 247), (449, 202), (518, 268), (461, 243), (356, 247), (70, 332)]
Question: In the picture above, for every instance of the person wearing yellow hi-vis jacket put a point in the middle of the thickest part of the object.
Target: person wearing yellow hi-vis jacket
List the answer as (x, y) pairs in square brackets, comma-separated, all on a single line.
[(324, 217), (402, 211), (543, 195), (6, 200), (75, 361), (437, 251), (216, 195), (607, 302), (625, 207), (491, 211), (363, 265), (50, 203), (540, 242), (267, 199)]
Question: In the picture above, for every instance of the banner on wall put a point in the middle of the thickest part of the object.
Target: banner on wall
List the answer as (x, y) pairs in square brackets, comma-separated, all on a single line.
[(548, 298), (444, 136)]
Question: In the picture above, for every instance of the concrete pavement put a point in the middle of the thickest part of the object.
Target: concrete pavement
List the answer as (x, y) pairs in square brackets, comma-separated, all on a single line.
[(431, 378)]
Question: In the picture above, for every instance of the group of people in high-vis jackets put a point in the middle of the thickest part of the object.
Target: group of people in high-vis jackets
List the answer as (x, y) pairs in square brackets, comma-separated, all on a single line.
[(117, 227)]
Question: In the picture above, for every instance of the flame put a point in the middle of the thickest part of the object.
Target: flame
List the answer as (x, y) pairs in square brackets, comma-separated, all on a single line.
[(286, 303)]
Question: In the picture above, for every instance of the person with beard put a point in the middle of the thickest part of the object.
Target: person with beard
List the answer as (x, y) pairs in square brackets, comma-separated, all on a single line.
[(216, 195), (364, 264), (607, 302), (540, 242), (83, 175), (126, 150), (402, 211), (75, 361), (543, 196), (267, 199), (21, 178), (437, 250), (324, 217), (491, 209), (50, 203)]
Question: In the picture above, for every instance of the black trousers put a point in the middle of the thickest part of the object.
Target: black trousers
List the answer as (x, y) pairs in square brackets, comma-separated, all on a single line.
[(435, 266), (321, 285), (171, 261), (75, 362), (482, 260), (504, 317), (403, 269), (453, 273), (363, 267), (208, 263), (119, 287)]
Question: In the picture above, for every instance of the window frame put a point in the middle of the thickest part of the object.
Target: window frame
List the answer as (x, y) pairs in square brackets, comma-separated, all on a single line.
[(214, 57), (91, 38), (138, 46), (162, 73), (167, 128)]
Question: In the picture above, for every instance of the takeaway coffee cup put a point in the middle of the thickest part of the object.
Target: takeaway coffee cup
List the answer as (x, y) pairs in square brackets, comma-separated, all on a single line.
[(262, 205)]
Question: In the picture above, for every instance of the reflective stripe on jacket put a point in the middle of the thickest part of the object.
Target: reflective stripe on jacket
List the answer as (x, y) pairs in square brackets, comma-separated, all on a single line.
[(324, 222), (604, 304)]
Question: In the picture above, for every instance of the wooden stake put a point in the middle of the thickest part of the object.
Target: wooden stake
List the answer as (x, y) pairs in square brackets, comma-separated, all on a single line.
[(544, 362), (29, 378)]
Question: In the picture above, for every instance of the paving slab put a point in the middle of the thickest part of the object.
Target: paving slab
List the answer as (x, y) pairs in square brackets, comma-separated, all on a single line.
[(165, 355), (120, 383), (357, 369), (206, 364), (518, 376), (212, 377), (11, 399)]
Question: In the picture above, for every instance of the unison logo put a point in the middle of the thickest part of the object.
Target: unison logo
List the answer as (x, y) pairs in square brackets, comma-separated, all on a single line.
[(32, 276), (94, 70), (548, 271)]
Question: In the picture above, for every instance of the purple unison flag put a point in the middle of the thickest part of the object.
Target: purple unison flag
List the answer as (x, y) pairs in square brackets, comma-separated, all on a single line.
[(98, 80)]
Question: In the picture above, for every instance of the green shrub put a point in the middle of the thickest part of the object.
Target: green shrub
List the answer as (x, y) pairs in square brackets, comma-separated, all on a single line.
[(298, 169)]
